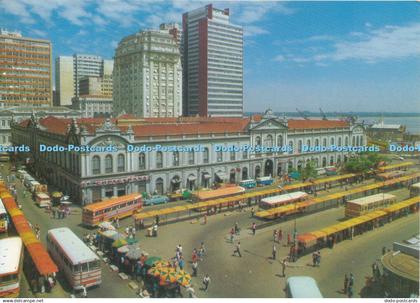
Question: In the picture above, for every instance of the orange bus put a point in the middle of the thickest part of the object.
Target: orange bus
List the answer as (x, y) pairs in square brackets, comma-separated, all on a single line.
[(117, 207)]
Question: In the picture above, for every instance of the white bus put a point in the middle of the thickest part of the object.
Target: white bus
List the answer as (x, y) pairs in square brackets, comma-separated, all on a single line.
[(78, 263), (11, 256), (279, 200)]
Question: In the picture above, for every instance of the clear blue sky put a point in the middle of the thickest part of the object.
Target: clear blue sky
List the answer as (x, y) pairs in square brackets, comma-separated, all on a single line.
[(341, 56)]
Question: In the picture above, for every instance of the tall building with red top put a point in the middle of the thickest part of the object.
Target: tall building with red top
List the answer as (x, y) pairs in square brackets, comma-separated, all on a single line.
[(212, 63)]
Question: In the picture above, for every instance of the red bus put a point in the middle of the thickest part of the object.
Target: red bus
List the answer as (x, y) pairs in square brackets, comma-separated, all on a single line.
[(118, 207)]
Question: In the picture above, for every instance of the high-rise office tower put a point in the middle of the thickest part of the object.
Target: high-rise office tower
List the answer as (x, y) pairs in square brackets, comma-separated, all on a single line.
[(212, 63), (70, 70), (147, 75), (25, 65), (64, 80)]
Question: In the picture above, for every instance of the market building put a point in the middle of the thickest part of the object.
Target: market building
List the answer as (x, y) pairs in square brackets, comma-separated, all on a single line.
[(94, 175)]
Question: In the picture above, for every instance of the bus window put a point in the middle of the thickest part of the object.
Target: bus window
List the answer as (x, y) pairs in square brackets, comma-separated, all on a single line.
[(76, 268), (93, 265), (84, 267)]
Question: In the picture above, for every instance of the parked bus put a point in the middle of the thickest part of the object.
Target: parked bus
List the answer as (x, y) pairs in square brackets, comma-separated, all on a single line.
[(415, 190), (4, 222), (78, 263), (251, 183), (361, 206), (279, 200), (302, 287), (42, 199), (265, 181), (11, 257), (106, 210)]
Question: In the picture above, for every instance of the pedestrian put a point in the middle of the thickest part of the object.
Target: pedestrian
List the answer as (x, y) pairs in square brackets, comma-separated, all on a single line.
[(194, 268), (346, 283), (236, 228), (203, 248), (318, 258), (252, 212), (84, 291), (283, 268), (274, 252), (206, 282), (232, 235), (205, 219), (190, 291), (127, 230), (275, 235), (289, 240), (254, 228), (314, 259), (279, 236), (194, 256), (350, 292), (181, 263), (237, 250)]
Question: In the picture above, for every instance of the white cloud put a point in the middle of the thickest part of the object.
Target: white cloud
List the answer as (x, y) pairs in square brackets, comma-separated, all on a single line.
[(387, 43), (280, 58), (253, 30), (39, 33), (18, 9)]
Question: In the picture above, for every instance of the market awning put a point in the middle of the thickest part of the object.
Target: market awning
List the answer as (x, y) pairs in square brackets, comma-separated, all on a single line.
[(306, 238), (319, 234)]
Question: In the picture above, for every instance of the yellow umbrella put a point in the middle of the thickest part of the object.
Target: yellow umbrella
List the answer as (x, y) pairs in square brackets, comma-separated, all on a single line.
[(154, 271), (168, 275), (183, 278), (57, 194), (162, 263)]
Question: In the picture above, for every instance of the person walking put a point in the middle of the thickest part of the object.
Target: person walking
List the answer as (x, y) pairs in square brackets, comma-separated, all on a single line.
[(237, 250), (194, 268), (232, 235), (254, 228), (318, 258), (289, 240), (346, 283), (279, 236), (274, 252), (236, 228), (84, 291), (252, 212), (206, 282), (314, 259), (283, 268), (274, 235)]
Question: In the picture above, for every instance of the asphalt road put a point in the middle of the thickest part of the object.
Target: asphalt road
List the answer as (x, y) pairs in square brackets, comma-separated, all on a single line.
[(255, 274)]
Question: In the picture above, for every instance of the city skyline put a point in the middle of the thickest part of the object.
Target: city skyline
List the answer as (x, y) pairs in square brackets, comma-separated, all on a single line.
[(361, 57)]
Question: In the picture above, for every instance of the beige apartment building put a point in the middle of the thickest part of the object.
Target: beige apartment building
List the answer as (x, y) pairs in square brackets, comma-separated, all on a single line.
[(25, 68), (148, 75)]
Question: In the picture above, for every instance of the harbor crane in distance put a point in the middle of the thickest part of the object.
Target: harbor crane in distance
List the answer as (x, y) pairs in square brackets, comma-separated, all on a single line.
[(302, 114), (324, 116)]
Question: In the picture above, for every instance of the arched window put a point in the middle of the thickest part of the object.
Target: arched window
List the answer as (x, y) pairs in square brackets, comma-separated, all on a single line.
[(316, 142), (258, 140), (280, 140), (324, 142), (142, 161), (332, 141), (332, 160), (300, 146), (121, 163), (291, 147), (232, 156), (219, 156), (175, 158), (206, 155), (353, 141), (108, 164), (159, 159), (268, 141), (346, 141), (339, 141), (159, 186), (191, 157), (96, 165), (308, 143), (361, 140)]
